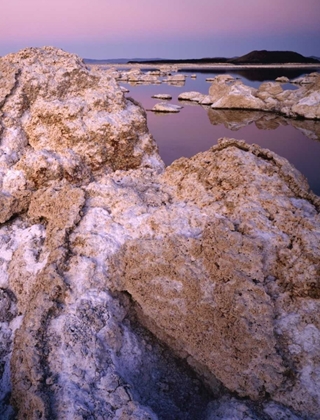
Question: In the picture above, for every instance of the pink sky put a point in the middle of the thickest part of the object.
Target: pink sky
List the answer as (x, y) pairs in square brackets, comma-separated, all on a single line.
[(170, 28)]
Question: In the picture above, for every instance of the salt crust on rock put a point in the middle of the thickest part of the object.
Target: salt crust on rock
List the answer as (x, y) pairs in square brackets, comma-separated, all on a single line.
[(218, 256)]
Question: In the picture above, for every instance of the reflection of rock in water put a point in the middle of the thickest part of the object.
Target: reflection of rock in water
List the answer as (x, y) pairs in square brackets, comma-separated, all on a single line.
[(309, 128), (255, 74), (262, 74), (234, 120)]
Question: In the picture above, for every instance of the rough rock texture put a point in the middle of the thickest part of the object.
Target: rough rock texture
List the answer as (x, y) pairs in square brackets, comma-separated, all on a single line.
[(60, 122), (236, 287), (132, 292)]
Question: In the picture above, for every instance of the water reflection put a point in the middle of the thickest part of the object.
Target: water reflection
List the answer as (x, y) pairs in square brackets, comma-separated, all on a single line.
[(258, 74), (235, 120), (197, 128)]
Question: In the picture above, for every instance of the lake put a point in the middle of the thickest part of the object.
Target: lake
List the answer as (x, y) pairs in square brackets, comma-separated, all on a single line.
[(197, 128)]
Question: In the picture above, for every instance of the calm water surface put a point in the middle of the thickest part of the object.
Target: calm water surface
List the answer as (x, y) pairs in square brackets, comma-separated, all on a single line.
[(197, 128)]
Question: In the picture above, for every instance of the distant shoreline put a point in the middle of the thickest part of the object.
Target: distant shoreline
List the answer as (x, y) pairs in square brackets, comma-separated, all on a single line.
[(218, 66), (255, 60)]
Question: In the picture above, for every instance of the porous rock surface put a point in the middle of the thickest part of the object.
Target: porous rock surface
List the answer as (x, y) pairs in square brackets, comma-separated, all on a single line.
[(112, 268)]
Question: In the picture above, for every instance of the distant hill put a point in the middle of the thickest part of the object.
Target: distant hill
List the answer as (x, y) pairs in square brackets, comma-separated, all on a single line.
[(272, 57), (254, 57)]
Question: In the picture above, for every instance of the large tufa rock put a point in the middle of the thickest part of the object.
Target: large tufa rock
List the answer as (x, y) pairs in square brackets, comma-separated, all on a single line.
[(228, 274), (62, 122), (61, 126)]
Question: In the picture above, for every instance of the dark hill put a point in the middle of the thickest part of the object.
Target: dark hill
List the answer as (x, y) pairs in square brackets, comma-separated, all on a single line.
[(272, 57)]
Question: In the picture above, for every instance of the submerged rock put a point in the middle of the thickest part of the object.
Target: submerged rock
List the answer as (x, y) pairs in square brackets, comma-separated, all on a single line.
[(166, 107), (218, 256), (162, 96)]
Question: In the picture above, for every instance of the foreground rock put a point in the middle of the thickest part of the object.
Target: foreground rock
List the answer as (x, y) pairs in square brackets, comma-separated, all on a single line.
[(218, 256)]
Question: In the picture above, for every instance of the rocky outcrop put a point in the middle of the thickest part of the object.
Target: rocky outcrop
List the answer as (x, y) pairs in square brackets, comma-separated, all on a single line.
[(224, 291), (62, 127), (133, 292), (301, 103), (226, 92)]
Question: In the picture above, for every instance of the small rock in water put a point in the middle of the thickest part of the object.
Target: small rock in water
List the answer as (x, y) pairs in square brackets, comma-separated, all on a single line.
[(176, 79), (191, 96), (282, 79), (162, 96), (165, 107)]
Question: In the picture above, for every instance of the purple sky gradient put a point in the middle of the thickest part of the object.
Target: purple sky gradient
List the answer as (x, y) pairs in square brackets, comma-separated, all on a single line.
[(167, 28)]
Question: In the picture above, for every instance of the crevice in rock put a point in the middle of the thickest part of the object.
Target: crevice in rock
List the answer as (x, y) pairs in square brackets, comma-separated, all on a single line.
[(158, 378)]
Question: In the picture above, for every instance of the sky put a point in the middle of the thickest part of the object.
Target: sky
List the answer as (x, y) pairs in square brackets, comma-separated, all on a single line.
[(166, 28)]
